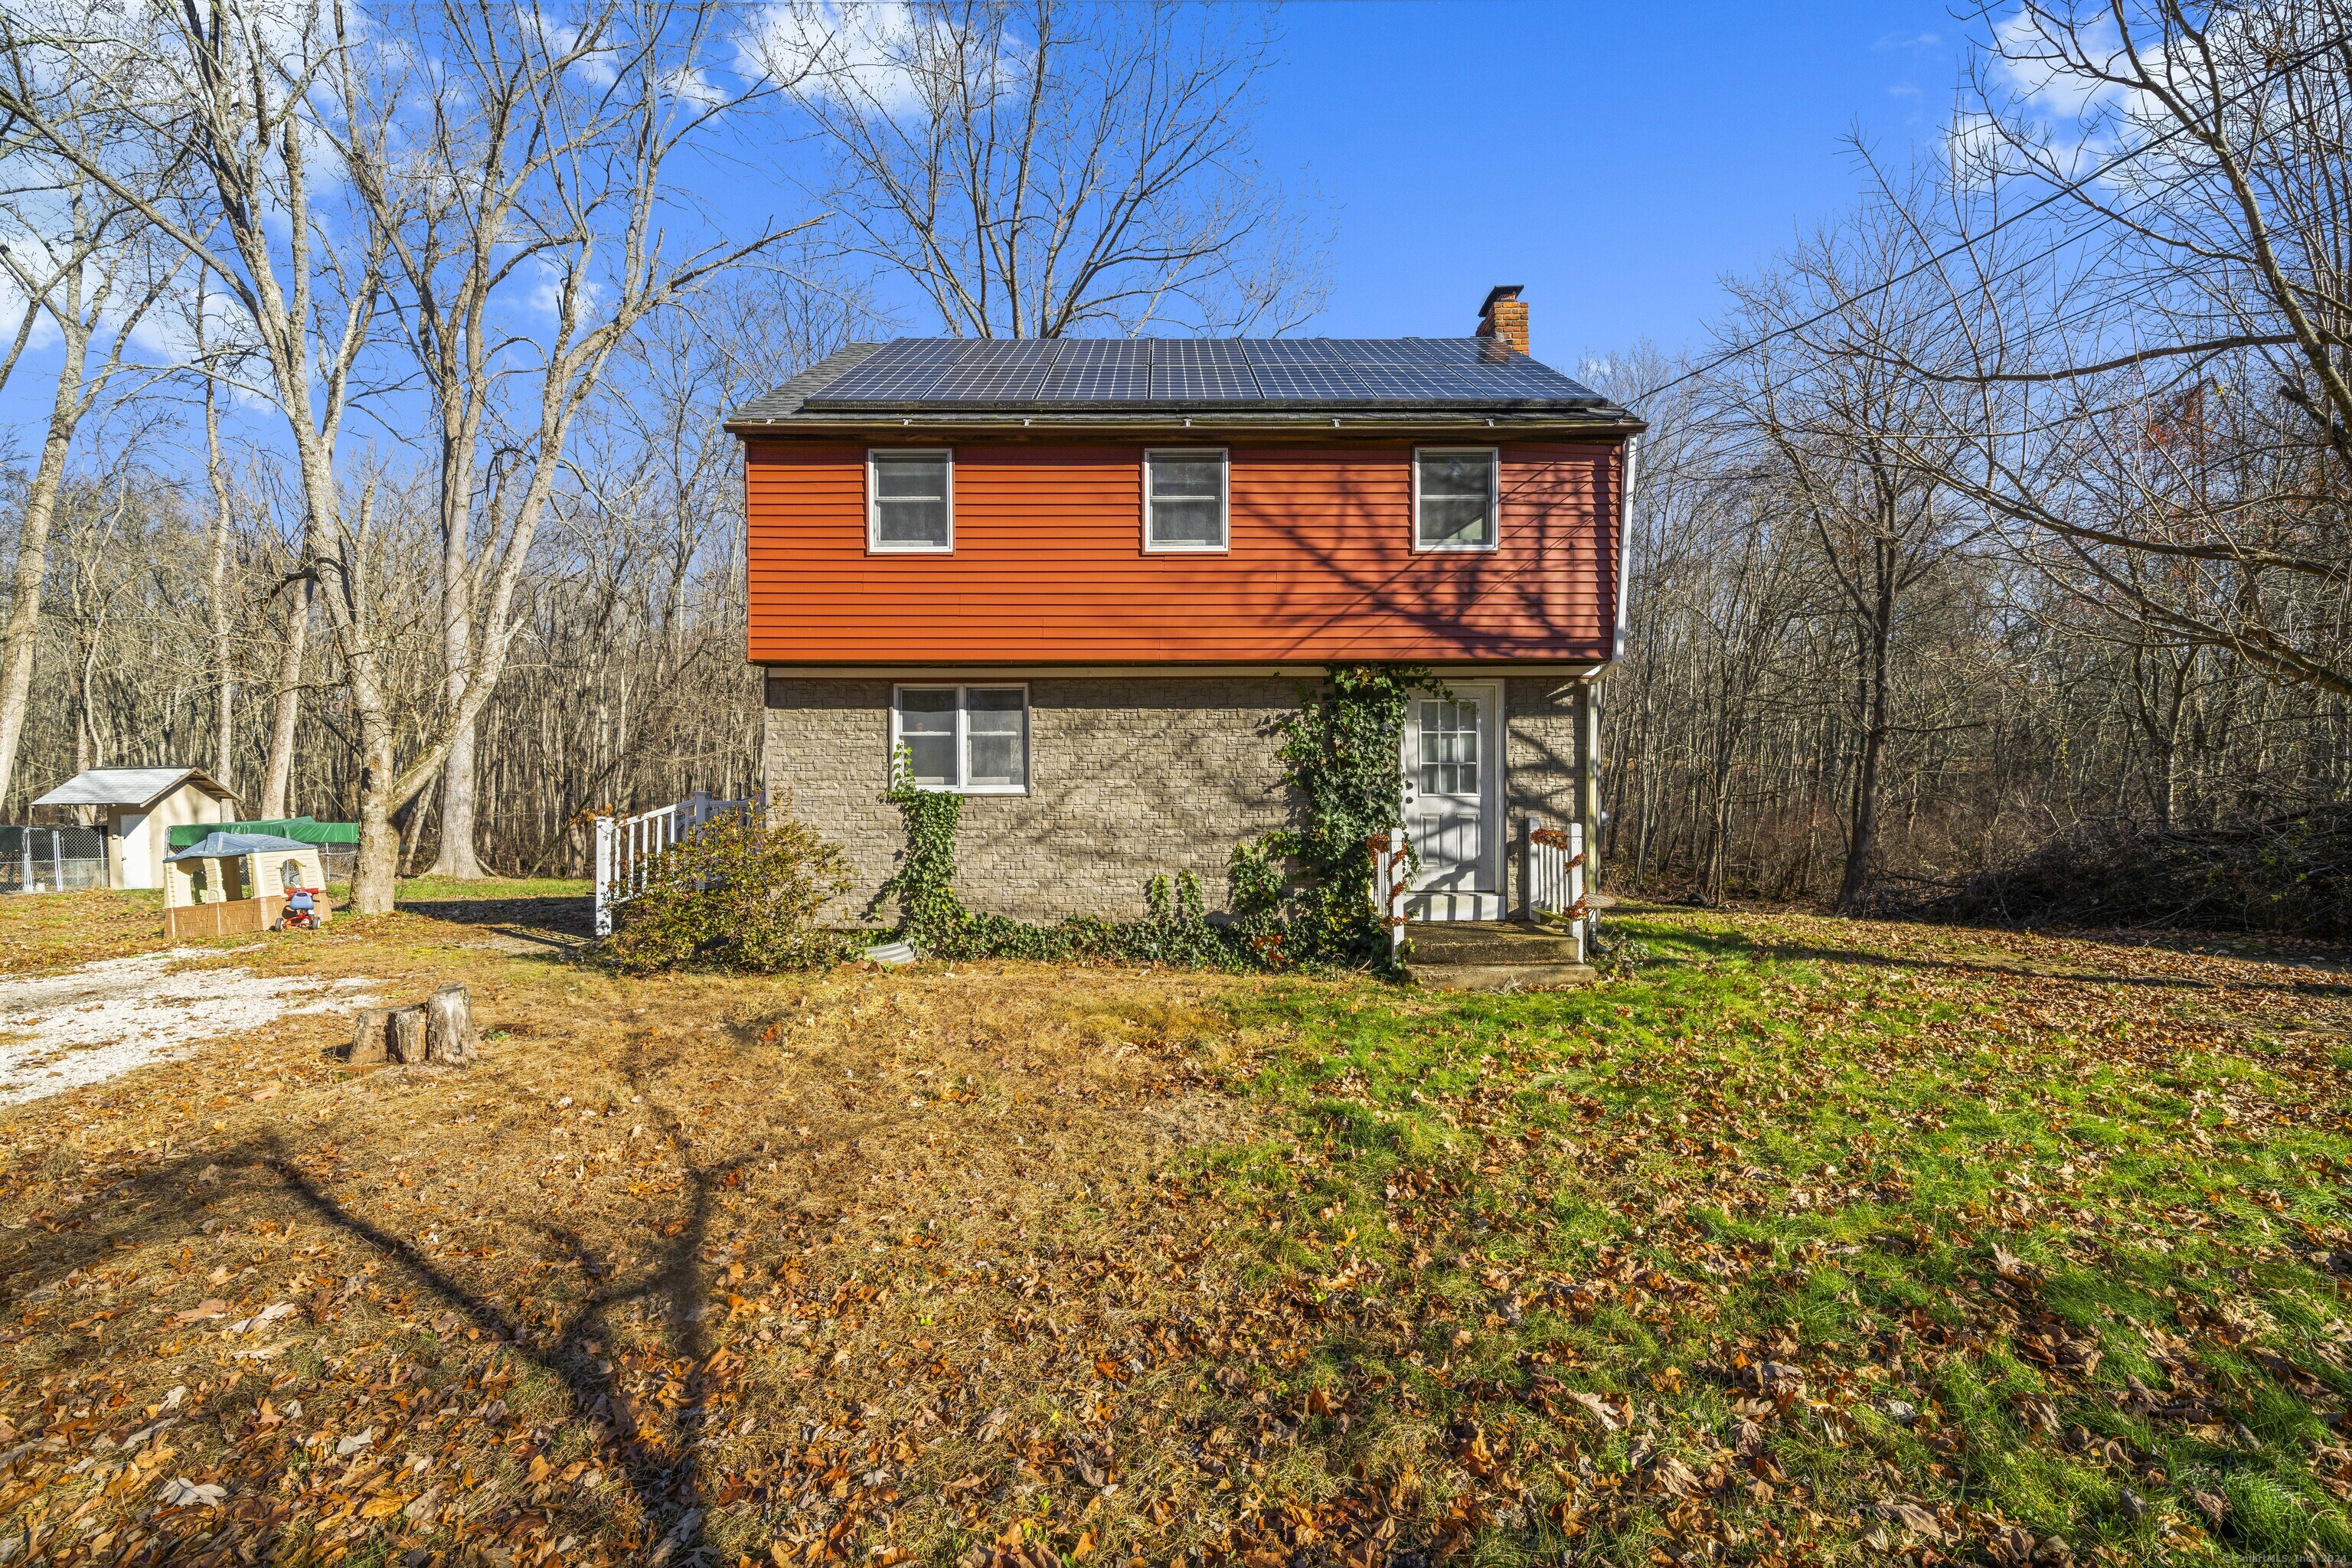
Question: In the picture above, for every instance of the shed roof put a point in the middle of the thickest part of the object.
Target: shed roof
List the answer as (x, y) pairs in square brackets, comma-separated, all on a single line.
[(131, 786), (1296, 377)]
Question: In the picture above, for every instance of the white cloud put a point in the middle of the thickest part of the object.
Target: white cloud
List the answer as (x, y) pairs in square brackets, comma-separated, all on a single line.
[(843, 50)]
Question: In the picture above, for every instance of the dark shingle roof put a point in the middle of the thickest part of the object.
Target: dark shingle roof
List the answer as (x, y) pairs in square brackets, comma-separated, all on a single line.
[(786, 399), (1110, 375)]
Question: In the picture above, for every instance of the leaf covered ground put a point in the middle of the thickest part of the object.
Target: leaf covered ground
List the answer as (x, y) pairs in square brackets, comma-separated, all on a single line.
[(1795, 1240)]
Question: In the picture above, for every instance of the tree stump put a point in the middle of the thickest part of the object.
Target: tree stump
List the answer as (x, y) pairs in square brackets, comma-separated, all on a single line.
[(408, 1036), (370, 1037), (450, 1036)]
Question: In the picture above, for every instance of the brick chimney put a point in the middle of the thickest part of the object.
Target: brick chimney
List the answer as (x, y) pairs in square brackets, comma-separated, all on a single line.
[(1505, 316)]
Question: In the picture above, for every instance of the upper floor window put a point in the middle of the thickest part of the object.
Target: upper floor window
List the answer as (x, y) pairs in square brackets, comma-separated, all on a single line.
[(1454, 498), (911, 501), (972, 739), (1185, 499)]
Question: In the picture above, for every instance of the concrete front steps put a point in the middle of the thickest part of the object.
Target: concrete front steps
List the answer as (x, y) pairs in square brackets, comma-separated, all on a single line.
[(1493, 956)]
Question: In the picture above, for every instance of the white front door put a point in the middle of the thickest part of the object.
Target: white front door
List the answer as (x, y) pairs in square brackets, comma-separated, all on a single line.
[(1453, 791)]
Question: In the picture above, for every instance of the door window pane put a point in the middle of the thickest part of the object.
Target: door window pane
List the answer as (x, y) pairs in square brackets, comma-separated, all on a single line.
[(1187, 498), (911, 501), (927, 728), (996, 731), (1449, 747), (1457, 500)]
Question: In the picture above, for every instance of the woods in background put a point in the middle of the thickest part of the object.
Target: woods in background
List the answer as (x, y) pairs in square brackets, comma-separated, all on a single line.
[(1992, 556), (420, 513), (1996, 558)]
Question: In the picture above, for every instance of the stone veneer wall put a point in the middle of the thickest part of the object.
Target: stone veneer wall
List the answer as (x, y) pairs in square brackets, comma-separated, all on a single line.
[(1128, 776), (1542, 715)]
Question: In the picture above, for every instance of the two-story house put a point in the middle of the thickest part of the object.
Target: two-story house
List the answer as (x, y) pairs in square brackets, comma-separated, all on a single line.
[(1080, 580)]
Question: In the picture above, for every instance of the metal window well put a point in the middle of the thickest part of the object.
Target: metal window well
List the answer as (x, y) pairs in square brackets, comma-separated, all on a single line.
[(51, 859)]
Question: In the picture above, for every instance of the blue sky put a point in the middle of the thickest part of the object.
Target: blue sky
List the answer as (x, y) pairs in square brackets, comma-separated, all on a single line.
[(1618, 159)]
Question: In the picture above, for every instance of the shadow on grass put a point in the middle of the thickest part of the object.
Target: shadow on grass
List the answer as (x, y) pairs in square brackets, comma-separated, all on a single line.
[(655, 1454), (1659, 927), (1813, 952), (559, 923)]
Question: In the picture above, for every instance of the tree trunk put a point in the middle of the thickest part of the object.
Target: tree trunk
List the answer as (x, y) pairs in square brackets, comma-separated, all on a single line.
[(456, 857), (40, 509), (1864, 837), (223, 671), (280, 776), (370, 1037), (449, 1032), (375, 879), (409, 1041)]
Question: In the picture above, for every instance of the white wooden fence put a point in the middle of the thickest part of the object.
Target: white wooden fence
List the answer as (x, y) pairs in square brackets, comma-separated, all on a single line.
[(1554, 880), (625, 844)]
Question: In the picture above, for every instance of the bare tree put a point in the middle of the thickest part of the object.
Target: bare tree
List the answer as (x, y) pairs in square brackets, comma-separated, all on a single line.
[(278, 103), (2168, 411), (74, 254), (1844, 432), (1045, 169), (545, 159)]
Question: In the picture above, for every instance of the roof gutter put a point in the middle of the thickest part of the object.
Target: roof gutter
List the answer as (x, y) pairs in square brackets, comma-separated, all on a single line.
[(1603, 426)]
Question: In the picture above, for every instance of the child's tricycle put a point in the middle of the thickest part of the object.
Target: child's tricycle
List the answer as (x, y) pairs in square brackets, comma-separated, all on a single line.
[(302, 909)]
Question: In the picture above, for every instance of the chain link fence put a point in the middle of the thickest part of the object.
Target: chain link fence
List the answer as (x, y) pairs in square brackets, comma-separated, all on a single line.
[(51, 859)]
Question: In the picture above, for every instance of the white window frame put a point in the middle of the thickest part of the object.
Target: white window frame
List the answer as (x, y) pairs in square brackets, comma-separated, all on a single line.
[(1494, 455), (963, 732), (874, 544), (1225, 501)]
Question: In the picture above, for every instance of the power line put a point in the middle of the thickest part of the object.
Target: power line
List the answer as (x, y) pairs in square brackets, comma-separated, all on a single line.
[(2069, 188)]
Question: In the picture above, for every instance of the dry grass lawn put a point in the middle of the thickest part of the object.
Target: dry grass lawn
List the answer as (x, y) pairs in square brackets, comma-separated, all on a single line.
[(1798, 1240)]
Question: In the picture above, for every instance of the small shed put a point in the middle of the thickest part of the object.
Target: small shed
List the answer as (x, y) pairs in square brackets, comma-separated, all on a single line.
[(139, 807), (232, 882)]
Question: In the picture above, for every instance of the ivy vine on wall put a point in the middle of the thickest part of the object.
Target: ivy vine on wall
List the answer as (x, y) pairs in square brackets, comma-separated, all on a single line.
[(1174, 930), (1301, 896)]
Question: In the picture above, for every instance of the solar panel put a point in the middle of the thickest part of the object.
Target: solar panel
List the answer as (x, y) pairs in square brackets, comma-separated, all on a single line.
[(1310, 382), (1525, 378), (1186, 370), (1016, 372), (1381, 351), (1396, 382), (986, 383), (900, 371), (1009, 351), (1262, 352), (1100, 370), (1202, 383)]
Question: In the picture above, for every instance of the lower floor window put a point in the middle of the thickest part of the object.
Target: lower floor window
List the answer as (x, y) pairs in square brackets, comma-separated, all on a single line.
[(969, 737)]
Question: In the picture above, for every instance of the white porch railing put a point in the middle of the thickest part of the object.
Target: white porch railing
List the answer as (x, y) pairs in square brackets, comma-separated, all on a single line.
[(625, 845), (1391, 868), (1554, 880)]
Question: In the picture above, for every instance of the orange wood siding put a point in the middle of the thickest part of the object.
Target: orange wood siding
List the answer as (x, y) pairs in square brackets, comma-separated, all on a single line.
[(1049, 567)]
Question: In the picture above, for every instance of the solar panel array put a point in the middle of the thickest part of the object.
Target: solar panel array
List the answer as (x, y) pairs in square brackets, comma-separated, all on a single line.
[(1095, 373)]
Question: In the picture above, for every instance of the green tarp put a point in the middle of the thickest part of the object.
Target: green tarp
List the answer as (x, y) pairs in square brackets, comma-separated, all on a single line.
[(301, 829)]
